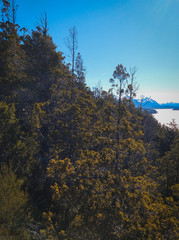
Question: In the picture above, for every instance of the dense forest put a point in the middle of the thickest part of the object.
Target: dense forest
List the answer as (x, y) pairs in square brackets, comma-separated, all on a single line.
[(76, 163)]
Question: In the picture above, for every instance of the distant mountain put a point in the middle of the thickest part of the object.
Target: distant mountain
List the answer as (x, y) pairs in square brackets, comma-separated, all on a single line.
[(148, 104), (175, 106)]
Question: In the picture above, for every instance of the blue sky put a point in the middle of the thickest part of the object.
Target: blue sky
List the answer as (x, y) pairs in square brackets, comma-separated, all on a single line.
[(141, 33)]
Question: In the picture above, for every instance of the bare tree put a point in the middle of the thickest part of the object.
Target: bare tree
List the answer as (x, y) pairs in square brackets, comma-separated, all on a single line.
[(143, 101), (98, 90), (14, 9), (133, 86), (72, 45), (43, 24)]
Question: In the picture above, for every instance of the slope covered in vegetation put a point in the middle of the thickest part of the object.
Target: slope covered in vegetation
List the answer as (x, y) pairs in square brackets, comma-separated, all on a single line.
[(75, 163)]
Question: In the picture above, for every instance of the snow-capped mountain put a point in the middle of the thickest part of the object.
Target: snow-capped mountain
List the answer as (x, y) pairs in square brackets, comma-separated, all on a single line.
[(148, 103)]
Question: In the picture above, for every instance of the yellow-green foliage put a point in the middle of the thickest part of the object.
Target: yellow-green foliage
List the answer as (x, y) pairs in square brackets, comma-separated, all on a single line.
[(112, 205), (14, 214)]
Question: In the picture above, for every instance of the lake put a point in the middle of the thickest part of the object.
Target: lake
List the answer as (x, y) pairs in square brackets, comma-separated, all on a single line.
[(165, 116)]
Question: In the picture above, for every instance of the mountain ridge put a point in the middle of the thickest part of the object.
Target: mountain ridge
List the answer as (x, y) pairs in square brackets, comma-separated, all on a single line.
[(149, 103)]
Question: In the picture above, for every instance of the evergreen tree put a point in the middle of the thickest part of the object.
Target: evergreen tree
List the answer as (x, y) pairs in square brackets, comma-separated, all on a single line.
[(118, 82), (80, 71), (44, 64), (11, 56)]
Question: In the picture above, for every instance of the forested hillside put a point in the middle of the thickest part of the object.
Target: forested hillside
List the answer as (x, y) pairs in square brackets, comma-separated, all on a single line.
[(78, 164)]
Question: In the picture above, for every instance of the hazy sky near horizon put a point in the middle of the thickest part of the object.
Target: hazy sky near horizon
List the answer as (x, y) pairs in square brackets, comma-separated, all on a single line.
[(141, 33)]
